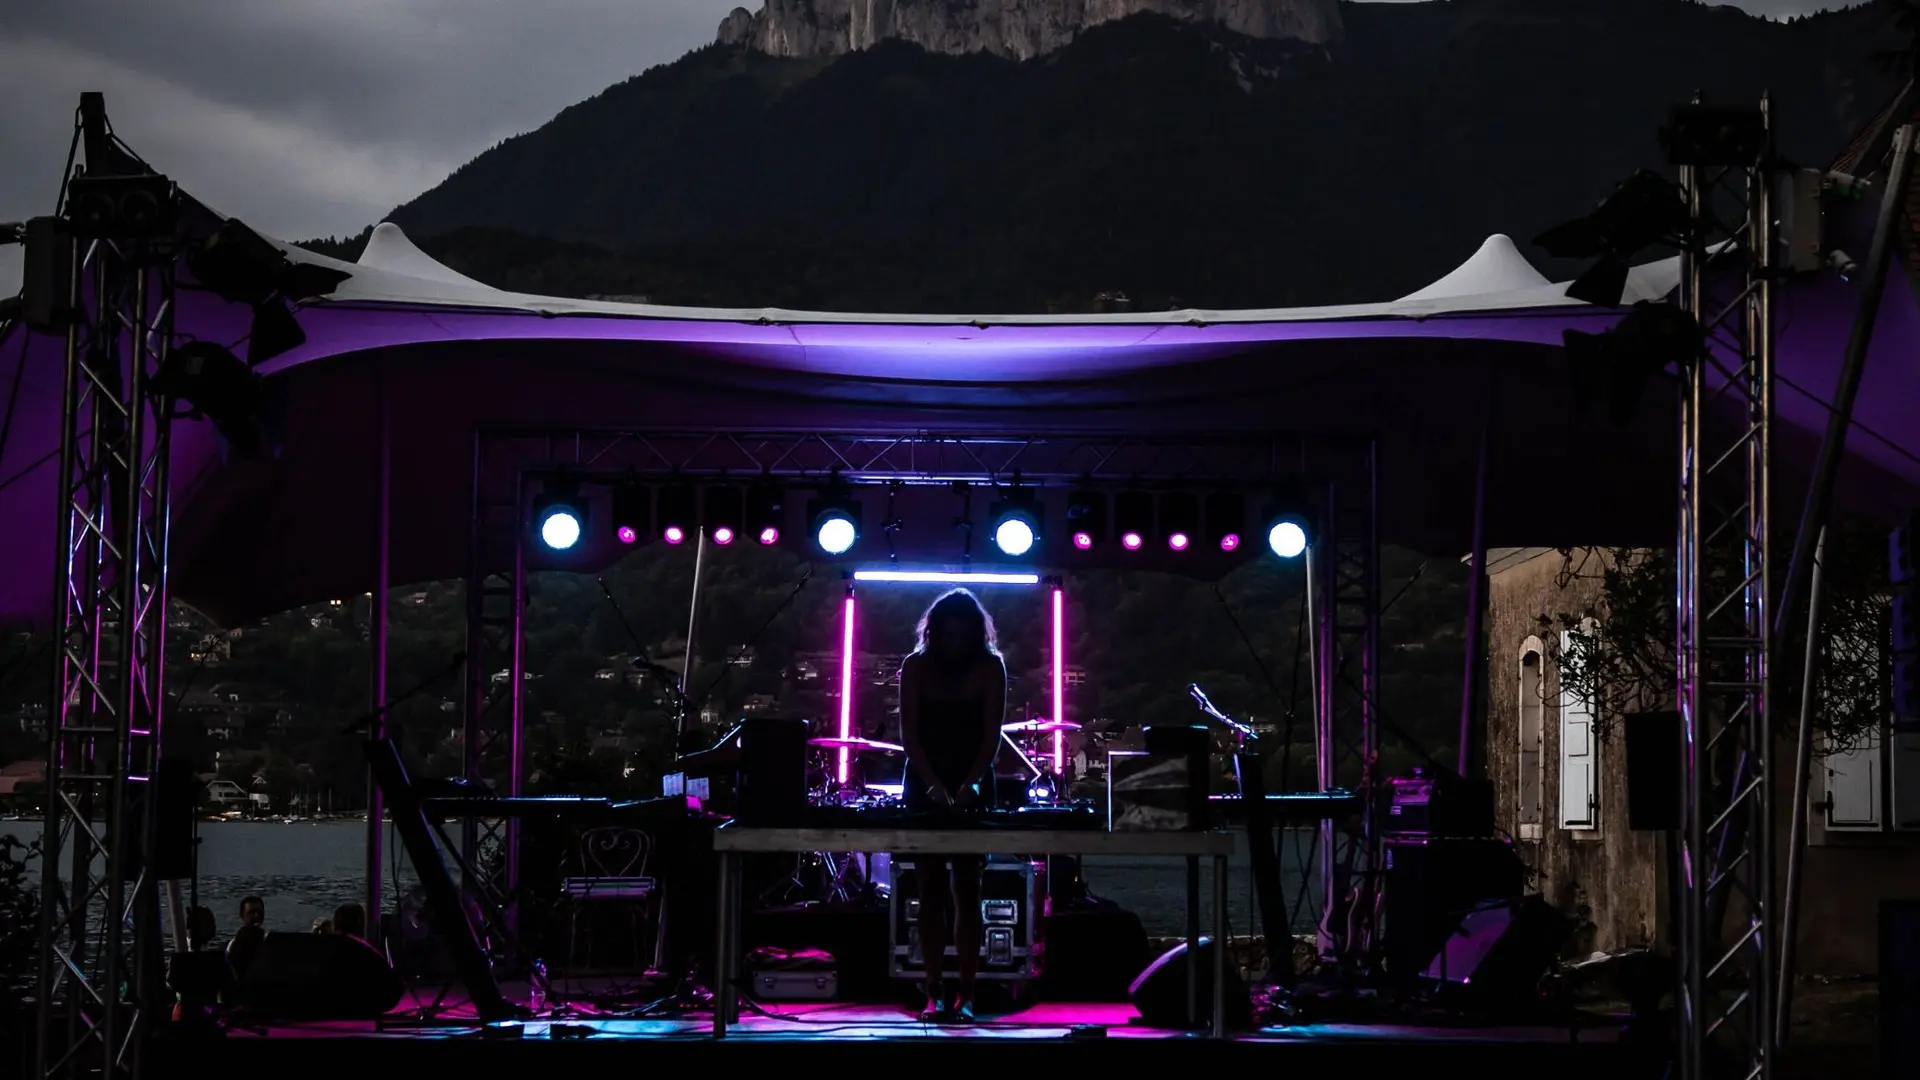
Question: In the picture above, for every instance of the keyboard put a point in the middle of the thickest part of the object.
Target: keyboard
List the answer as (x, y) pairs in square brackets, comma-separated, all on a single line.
[(1027, 819)]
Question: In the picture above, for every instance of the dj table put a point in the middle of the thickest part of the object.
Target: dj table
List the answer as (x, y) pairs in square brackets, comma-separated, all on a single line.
[(730, 842)]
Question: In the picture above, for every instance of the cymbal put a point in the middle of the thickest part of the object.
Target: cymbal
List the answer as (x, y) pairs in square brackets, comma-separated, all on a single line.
[(1041, 725), (867, 745)]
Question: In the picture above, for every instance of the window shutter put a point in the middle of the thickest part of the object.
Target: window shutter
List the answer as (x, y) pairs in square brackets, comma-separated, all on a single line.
[(1853, 788), (1579, 777)]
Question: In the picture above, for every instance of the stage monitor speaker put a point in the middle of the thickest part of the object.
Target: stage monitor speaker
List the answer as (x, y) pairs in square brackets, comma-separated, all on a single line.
[(319, 977), (1430, 884), (773, 772), (1654, 775), (176, 795), (1159, 994), (1899, 984), (1501, 951)]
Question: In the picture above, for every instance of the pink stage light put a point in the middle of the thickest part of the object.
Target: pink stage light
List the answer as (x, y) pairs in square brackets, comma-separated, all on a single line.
[(626, 534), (1230, 542), (846, 686), (769, 536), (674, 534), (723, 536), (1059, 685), (1082, 541), (1131, 541), (1178, 541)]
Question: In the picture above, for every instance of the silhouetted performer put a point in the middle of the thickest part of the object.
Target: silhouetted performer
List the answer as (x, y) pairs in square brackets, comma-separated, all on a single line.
[(953, 695)]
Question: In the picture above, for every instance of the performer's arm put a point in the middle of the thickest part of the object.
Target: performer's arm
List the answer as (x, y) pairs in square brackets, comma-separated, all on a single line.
[(910, 728), (996, 715)]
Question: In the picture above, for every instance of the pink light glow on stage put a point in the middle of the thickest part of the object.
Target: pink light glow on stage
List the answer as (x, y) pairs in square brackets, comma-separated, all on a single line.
[(846, 686), (1230, 542), (674, 534), (627, 535), (1131, 541), (723, 536), (945, 577), (1059, 684), (1178, 541), (769, 536), (1083, 541)]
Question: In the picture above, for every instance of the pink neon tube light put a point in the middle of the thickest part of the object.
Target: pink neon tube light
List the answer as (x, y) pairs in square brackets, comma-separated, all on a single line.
[(1059, 686), (846, 686)]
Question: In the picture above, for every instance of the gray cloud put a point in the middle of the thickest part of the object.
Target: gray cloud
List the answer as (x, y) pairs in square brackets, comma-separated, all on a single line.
[(315, 117)]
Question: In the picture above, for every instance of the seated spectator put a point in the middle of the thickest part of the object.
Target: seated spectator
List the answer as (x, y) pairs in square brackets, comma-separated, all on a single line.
[(201, 929), (350, 919), (246, 942)]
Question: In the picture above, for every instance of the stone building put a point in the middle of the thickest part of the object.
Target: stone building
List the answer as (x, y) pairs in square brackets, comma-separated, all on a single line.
[(1560, 779)]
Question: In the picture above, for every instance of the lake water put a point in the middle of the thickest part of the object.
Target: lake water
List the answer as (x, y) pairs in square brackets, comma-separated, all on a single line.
[(305, 869)]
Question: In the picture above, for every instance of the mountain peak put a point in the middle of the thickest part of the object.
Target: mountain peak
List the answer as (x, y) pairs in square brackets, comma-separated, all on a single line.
[(1019, 29)]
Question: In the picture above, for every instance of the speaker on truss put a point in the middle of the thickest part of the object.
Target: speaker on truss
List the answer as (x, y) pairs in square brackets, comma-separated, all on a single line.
[(1159, 994), (176, 794), (1654, 775), (46, 287)]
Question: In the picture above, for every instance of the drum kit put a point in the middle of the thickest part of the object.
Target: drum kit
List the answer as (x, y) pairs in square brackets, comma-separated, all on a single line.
[(875, 780)]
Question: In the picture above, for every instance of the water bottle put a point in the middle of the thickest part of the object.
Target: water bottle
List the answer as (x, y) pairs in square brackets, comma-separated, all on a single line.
[(537, 994)]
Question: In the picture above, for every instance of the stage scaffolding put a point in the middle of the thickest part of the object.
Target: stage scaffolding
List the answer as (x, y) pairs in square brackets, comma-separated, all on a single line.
[(509, 464), (100, 974), (1726, 846)]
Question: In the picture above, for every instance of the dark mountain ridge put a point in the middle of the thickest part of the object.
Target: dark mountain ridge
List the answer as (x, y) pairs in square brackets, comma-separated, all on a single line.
[(1177, 162)]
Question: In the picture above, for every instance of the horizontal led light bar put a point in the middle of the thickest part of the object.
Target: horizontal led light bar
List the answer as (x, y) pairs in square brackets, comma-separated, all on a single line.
[(943, 577)]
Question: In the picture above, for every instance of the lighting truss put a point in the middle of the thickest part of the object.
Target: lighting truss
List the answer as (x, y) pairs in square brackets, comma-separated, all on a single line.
[(101, 974), (1346, 631), (1724, 627), (1344, 602)]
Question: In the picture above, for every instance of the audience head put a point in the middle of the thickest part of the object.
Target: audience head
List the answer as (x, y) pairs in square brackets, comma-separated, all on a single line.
[(253, 911), (350, 919), (201, 928)]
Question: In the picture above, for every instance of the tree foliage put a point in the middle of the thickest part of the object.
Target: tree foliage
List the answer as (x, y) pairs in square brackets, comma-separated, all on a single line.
[(1621, 650)]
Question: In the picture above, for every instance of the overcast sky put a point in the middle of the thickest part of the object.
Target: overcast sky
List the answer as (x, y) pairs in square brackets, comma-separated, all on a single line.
[(314, 117)]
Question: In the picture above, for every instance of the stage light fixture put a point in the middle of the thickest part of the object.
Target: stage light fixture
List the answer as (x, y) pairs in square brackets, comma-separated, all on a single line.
[(559, 515), (835, 519), (724, 513), (676, 515), (1087, 519), (242, 267), (1133, 518), (1288, 520), (1644, 210), (766, 512), (632, 512), (217, 385), (1016, 522), (1226, 517), (1179, 519), (1615, 365)]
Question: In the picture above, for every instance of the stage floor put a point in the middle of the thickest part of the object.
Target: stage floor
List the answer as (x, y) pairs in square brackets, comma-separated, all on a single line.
[(1097, 1035)]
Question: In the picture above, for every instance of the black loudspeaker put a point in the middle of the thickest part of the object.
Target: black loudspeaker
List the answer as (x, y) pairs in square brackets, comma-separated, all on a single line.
[(1654, 775), (1899, 983), (176, 795), (1431, 884), (319, 977), (46, 289), (1159, 994), (1182, 757), (773, 772), (1499, 952)]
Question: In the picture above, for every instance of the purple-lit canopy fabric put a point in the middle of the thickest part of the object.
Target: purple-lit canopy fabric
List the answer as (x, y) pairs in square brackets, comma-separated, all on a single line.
[(250, 538)]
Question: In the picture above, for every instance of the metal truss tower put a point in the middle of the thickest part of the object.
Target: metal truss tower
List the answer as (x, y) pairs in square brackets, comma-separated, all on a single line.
[(1726, 915), (100, 977), (1345, 602), (496, 594)]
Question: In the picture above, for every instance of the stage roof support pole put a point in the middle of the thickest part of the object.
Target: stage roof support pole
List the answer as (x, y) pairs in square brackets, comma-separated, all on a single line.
[(1473, 680), (377, 690), (496, 672), (100, 974)]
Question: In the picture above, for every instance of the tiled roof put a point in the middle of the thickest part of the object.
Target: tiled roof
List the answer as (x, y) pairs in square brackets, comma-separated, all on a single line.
[(1866, 153)]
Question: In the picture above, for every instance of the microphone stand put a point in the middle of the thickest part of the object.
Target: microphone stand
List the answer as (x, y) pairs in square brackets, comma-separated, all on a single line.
[(1249, 770)]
